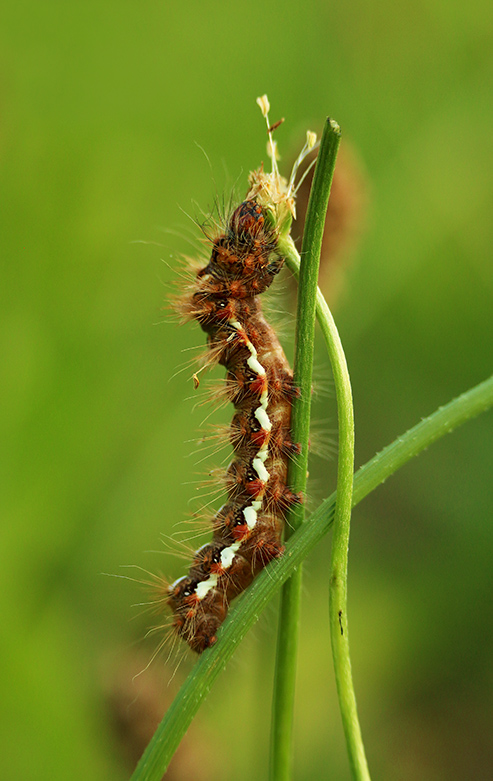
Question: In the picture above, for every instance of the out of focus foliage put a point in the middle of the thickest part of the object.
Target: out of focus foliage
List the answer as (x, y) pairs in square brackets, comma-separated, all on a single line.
[(102, 106)]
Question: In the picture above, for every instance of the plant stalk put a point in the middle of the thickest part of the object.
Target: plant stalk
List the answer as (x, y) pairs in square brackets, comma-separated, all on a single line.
[(288, 630), (340, 538)]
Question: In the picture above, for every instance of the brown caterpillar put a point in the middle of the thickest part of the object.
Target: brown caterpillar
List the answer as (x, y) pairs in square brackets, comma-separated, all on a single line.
[(247, 530)]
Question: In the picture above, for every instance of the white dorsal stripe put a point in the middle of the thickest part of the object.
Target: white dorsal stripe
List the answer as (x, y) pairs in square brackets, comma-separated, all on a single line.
[(255, 366), (250, 512), (228, 554), (252, 348), (263, 418), (250, 515), (263, 454), (203, 588), (260, 469)]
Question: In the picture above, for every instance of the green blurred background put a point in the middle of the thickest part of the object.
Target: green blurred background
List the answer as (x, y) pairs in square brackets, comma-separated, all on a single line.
[(102, 105)]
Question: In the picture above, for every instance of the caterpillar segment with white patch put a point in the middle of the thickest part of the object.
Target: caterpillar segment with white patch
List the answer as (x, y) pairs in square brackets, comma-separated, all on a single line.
[(247, 530), (224, 300)]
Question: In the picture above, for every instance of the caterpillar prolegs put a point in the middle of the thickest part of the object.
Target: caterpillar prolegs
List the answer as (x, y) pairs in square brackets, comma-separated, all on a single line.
[(224, 300)]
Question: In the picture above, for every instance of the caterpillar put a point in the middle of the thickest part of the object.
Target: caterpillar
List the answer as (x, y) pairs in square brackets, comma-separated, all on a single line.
[(224, 299)]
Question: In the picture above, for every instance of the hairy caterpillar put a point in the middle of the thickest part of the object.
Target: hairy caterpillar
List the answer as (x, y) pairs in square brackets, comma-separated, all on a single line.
[(223, 299)]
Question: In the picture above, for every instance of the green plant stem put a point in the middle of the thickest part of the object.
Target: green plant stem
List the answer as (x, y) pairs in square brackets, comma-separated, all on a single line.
[(340, 535), (243, 615), (289, 613)]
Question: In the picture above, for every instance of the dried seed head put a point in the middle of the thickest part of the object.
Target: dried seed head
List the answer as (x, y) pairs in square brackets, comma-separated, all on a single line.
[(274, 193), (264, 104)]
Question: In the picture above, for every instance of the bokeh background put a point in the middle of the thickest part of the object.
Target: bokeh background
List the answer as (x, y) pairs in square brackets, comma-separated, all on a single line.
[(103, 106)]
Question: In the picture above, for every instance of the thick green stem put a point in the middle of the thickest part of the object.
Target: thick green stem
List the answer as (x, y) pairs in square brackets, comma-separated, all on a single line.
[(340, 539), (243, 615), (288, 632)]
